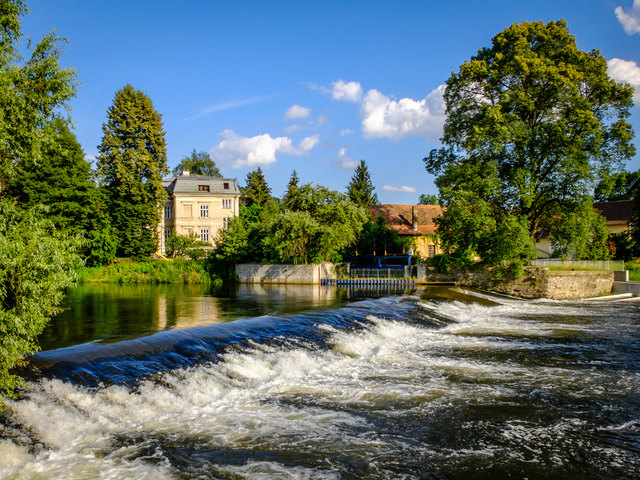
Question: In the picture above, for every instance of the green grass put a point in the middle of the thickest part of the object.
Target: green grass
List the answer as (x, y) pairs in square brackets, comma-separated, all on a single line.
[(634, 270), (125, 271)]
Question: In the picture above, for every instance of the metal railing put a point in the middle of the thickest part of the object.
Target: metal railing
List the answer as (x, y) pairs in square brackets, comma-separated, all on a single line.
[(558, 263), (378, 273)]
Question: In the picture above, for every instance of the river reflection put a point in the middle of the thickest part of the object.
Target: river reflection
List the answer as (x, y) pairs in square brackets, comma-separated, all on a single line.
[(111, 313)]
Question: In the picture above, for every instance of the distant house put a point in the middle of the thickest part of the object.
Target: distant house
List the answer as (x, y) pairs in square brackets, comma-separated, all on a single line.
[(416, 222), (198, 204)]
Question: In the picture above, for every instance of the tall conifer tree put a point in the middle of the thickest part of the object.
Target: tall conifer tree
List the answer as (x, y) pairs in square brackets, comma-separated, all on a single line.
[(292, 196), (257, 191), (361, 190), (132, 161)]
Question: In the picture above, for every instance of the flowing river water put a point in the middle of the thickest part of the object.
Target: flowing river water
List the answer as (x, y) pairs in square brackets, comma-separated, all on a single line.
[(428, 384)]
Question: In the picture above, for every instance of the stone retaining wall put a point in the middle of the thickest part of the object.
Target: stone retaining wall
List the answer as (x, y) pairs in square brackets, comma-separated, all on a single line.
[(307, 274)]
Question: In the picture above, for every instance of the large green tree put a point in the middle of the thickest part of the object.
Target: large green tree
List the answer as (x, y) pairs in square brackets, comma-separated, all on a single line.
[(257, 190), (131, 164), (531, 120), (360, 189), (291, 198), (198, 163), (37, 262), (62, 179), (33, 92)]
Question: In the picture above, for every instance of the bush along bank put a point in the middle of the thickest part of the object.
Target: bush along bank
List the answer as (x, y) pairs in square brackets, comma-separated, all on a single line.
[(124, 271)]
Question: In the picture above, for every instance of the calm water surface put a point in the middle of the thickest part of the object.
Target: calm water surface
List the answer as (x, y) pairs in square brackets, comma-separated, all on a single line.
[(318, 383)]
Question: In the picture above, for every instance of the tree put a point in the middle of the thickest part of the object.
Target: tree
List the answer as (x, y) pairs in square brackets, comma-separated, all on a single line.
[(616, 186), (132, 161), (530, 122), (198, 163), (32, 92), (360, 189), (257, 191), (37, 263), (62, 179), (428, 199), (376, 236), (291, 199)]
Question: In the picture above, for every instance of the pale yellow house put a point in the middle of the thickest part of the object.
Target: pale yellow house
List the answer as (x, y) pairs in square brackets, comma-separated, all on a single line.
[(198, 204)]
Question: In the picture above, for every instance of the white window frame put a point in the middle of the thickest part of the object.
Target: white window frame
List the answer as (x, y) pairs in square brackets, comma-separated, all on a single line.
[(226, 203), (167, 233), (204, 211), (225, 222), (204, 234), (168, 211)]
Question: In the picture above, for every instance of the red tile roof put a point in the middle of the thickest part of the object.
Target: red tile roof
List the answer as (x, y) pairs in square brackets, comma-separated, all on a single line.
[(616, 213), (400, 217)]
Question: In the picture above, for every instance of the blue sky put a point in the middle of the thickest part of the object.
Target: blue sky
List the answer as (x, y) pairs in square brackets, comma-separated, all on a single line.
[(305, 85)]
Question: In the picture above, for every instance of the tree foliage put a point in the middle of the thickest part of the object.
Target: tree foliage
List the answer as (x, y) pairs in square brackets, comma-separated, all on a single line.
[(360, 189), (256, 190), (615, 186), (33, 92), (198, 163), (531, 121), (61, 179), (132, 161), (428, 199), (37, 263), (291, 200), (377, 238)]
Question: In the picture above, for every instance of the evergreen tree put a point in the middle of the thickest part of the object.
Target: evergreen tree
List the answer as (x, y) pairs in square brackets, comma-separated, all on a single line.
[(257, 191), (132, 161), (291, 199), (61, 179), (360, 190), (198, 163)]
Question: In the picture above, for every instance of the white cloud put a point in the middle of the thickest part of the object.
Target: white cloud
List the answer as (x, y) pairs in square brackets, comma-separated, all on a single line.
[(227, 106), (343, 160), (630, 20), (402, 189), (383, 117), (235, 151), (296, 111), (346, 132), (626, 71), (346, 91)]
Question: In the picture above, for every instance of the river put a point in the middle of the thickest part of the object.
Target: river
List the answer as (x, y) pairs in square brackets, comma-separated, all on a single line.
[(319, 383)]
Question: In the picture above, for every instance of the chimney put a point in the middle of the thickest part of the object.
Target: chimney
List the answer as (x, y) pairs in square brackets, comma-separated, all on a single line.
[(185, 173), (414, 218)]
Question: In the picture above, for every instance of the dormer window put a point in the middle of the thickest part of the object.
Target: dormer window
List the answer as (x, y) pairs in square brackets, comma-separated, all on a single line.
[(225, 185), (203, 188)]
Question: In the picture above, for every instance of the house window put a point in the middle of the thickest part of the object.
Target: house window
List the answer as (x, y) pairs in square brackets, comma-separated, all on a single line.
[(203, 188), (225, 185), (225, 222), (226, 203), (204, 211), (432, 250), (167, 234), (168, 211), (204, 234)]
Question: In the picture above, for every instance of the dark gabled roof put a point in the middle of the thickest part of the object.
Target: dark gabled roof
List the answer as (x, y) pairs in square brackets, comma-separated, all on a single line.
[(191, 184), (401, 218), (616, 213)]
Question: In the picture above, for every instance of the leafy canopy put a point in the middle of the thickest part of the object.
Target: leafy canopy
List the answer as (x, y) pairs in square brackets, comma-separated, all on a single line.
[(257, 191), (132, 161), (531, 120), (198, 163)]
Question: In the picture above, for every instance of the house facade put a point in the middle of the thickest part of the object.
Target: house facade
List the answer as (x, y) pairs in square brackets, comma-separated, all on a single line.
[(416, 222), (197, 204)]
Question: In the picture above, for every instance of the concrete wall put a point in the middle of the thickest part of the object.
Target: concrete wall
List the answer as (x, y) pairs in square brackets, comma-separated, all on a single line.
[(285, 274), (540, 282), (627, 287)]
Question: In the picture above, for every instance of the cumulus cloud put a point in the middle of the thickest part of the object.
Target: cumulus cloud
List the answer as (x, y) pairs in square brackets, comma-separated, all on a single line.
[(626, 71), (343, 160), (235, 151), (402, 189), (630, 20), (346, 91), (296, 112), (384, 117)]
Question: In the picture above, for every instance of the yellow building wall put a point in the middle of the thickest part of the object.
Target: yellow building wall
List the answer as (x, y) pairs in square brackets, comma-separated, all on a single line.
[(425, 246)]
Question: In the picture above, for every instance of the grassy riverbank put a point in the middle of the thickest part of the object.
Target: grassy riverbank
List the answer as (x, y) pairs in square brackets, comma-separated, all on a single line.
[(156, 271)]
